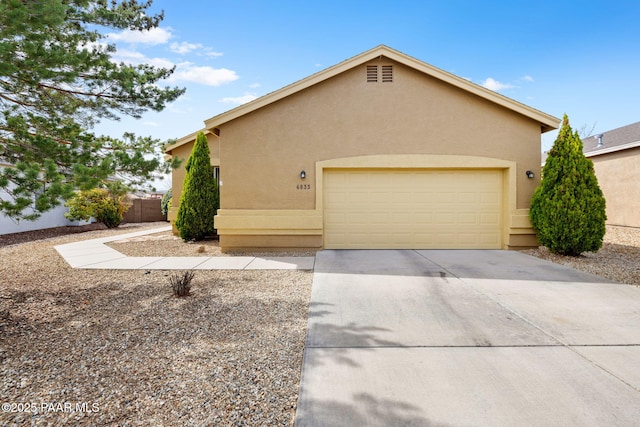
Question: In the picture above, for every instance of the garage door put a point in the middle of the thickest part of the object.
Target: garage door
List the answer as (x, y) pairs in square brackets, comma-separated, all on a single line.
[(412, 209)]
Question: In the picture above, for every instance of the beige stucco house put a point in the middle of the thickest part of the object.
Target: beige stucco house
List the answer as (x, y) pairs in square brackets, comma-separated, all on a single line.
[(379, 151), (616, 160)]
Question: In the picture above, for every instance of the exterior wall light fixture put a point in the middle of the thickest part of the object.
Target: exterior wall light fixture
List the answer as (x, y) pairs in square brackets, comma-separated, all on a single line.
[(530, 174), (303, 174)]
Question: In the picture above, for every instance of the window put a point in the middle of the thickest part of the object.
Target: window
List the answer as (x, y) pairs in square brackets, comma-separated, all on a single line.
[(216, 174)]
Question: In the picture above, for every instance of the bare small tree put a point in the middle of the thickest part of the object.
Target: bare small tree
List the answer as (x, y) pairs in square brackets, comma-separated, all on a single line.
[(585, 130)]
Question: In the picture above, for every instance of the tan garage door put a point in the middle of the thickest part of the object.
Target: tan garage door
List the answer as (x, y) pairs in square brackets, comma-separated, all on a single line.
[(412, 209)]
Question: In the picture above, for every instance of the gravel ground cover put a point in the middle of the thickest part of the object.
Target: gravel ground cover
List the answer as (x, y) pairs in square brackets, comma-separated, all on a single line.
[(618, 260), (49, 233), (166, 244), (105, 347)]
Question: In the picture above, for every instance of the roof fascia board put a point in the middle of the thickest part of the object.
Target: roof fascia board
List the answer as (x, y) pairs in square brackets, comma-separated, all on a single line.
[(186, 139), (613, 149), (547, 121), (279, 94)]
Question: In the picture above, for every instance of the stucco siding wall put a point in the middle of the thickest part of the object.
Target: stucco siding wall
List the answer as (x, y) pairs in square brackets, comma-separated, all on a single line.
[(50, 219), (618, 178), (263, 152)]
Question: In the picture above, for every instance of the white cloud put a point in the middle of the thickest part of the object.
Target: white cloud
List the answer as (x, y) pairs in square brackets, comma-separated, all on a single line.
[(154, 36), (209, 76), (495, 85), (184, 47), (239, 100), (152, 124), (526, 78), (212, 53), (185, 71), (254, 85), (136, 58)]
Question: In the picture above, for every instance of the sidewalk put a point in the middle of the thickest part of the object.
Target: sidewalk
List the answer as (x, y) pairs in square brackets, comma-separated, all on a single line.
[(94, 254)]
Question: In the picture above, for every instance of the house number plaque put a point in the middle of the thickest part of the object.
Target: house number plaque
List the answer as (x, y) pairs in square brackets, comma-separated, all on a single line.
[(303, 186)]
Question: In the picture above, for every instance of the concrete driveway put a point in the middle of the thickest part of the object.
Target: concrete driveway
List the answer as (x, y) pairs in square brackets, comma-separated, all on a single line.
[(461, 338)]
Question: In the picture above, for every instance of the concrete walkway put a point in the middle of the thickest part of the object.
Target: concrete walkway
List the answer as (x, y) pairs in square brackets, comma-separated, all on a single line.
[(467, 338), (94, 254)]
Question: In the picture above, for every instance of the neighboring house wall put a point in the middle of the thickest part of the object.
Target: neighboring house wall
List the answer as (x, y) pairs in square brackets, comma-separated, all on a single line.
[(50, 219), (618, 174), (616, 160)]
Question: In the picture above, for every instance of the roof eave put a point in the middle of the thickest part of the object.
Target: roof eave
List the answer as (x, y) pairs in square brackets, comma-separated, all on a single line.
[(613, 149), (186, 139), (547, 122), (290, 89)]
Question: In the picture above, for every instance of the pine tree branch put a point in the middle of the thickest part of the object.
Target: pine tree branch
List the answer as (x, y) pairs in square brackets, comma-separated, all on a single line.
[(76, 92)]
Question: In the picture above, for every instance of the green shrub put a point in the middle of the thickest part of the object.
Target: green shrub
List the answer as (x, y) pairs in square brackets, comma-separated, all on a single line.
[(110, 214), (102, 204), (568, 208), (200, 199), (165, 203)]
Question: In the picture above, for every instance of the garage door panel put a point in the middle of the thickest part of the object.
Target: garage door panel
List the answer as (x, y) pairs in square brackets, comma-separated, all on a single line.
[(490, 219), (419, 209), (467, 198), (364, 219), (400, 219), (467, 238), (445, 218), (402, 197), (490, 198), (489, 238), (468, 219), (338, 196)]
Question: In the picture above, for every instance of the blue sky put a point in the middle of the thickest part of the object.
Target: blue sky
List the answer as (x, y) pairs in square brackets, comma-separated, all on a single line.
[(579, 58)]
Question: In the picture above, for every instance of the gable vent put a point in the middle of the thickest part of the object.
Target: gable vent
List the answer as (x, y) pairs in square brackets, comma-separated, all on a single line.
[(372, 73), (387, 74)]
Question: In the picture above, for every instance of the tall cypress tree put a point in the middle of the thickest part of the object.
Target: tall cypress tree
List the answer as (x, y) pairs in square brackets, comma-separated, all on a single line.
[(568, 207), (200, 198)]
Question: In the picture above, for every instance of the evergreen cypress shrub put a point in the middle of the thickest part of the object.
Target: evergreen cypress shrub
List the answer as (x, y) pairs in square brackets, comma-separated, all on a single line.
[(568, 208), (200, 198)]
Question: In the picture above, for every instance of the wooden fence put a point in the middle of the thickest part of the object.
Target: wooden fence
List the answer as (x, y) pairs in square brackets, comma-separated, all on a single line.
[(144, 210)]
